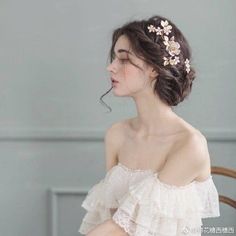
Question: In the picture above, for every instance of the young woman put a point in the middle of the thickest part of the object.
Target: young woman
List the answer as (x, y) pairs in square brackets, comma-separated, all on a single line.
[(158, 179)]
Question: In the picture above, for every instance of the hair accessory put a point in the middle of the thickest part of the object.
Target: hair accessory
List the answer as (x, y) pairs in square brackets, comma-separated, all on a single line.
[(172, 47)]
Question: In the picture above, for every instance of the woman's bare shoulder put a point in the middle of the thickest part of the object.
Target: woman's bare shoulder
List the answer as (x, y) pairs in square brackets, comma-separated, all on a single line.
[(117, 129), (193, 152), (114, 138), (191, 135)]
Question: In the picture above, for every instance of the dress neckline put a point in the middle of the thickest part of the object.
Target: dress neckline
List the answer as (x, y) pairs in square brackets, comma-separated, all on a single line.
[(135, 170), (131, 170)]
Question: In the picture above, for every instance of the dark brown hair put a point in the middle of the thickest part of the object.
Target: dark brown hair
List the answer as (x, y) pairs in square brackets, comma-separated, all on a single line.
[(173, 84)]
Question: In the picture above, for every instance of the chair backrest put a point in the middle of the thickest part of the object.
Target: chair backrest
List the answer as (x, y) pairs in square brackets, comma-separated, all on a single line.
[(229, 173)]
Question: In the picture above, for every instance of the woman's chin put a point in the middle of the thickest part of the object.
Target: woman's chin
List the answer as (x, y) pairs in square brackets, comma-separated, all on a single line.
[(119, 94)]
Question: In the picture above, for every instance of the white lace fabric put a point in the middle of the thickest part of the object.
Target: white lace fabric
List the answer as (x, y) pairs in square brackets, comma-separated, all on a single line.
[(144, 206)]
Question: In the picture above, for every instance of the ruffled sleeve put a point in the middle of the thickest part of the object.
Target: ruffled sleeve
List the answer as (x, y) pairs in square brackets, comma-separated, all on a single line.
[(152, 207), (98, 203)]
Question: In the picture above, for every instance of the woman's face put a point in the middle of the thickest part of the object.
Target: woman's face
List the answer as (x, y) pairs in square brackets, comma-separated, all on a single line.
[(132, 79)]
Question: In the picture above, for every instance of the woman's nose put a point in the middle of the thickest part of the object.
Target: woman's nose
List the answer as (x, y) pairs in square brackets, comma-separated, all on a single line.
[(111, 68)]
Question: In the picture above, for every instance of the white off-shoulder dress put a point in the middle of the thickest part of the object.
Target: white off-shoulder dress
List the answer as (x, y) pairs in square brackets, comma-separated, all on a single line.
[(143, 205)]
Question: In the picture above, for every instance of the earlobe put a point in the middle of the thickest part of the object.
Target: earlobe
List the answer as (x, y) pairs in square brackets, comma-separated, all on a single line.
[(153, 83)]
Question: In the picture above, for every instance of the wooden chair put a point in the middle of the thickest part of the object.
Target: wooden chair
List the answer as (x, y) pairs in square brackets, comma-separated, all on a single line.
[(229, 173)]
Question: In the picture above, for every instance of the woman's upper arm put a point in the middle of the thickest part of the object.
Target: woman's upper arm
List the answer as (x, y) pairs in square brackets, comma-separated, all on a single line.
[(186, 163)]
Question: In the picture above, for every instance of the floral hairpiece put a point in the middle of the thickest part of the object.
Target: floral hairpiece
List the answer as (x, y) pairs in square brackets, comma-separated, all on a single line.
[(172, 47)]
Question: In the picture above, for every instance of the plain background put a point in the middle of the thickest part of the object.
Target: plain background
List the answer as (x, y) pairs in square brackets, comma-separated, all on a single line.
[(53, 58)]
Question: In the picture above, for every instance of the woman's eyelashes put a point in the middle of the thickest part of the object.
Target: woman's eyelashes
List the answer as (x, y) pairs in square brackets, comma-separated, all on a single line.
[(123, 60)]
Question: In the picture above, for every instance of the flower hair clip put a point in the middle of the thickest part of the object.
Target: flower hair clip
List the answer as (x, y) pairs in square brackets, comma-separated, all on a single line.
[(172, 47)]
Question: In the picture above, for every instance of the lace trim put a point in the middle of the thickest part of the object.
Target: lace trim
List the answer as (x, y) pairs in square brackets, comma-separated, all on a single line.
[(129, 226), (190, 227), (126, 168)]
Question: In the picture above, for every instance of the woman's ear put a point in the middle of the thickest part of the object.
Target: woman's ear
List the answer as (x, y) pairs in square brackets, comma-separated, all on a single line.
[(153, 73), (153, 76)]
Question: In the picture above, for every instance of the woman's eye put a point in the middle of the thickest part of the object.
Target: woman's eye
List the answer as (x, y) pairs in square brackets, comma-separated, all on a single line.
[(121, 60), (124, 60)]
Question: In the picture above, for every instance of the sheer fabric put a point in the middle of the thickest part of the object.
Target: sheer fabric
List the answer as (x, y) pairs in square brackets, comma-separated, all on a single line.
[(144, 206)]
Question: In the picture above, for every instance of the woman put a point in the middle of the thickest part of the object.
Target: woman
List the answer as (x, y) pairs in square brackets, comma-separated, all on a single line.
[(158, 179)]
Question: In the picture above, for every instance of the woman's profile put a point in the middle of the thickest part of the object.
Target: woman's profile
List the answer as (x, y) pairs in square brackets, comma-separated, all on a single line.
[(158, 179)]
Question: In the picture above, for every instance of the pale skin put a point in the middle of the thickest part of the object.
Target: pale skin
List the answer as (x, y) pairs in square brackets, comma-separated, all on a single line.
[(156, 139)]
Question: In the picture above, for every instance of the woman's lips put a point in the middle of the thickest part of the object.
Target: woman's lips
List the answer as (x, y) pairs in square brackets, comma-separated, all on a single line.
[(114, 82)]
